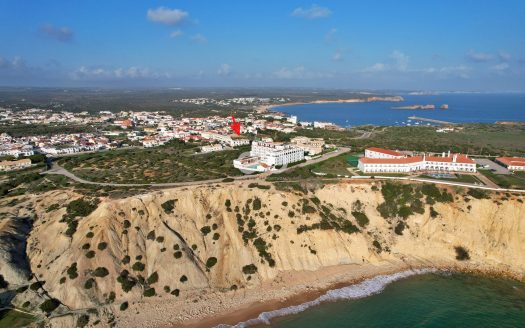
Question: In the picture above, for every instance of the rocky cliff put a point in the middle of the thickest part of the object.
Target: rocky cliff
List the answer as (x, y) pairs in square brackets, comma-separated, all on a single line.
[(175, 244)]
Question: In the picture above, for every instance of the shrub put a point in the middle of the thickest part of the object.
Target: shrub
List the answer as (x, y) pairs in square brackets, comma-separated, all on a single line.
[(126, 282), (89, 283), (183, 278), (284, 204), (177, 254), (462, 253), (211, 262), (111, 297), (216, 236), (153, 278), (3, 282), (175, 292), (399, 228), (100, 272), (126, 259), (433, 212), (124, 306), (159, 239), (478, 194), (81, 207), (151, 235), (19, 290), (249, 269), (228, 180), (361, 218), (168, 206), (26, 304), (36, 285), (205, 230), (167, 289), (72, 271), (127, 224), (277, 227), (256, 205), (228, 203), (149, 292), (49, 306), (377, 245), (83, 320), (86, 246), (90, 254), (90, 234), (102, 246), (138, 266)]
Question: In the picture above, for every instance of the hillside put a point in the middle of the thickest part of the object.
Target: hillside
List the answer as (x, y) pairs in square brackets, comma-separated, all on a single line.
[(176, 255)]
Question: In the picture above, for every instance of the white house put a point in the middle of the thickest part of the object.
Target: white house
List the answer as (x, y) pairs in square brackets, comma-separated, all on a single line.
[(211, 148), (276, 154), (512, 163)]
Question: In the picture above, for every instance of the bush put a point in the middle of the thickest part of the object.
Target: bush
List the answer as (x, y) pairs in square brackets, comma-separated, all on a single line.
[(49, 306), (86, 246), (462, 253), (153, 278), (183, 278), (478, 194), (102, 246), (160, 239), (90, 254), (89, 283), (126, 282), (90, 234), (205, 230), (127, 224), (216, 236), (228, 180), (3, 282), (168, 206), (138, 266), (36, 285), (151, 235), (377, 245), (175, 292), (433, 212), (249, 269), (228, 203), (126, 259), (124, 306), (177, 254), (399, 228), (149, 292), (361, 218), (81, 207), (211, 262), (83, 320), (100, 272), (256, 204), (72, 271)]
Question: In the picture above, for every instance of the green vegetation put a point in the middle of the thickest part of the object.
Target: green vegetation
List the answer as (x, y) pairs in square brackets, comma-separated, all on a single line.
[(478, 194), (205, 230), (211, 262), (249, 269), (256, 205), (72, 271), (183, 279), (90, 254), (126, 259), (461, 253), (168, 206), (151, 235), (83, 320), (177, 254), (15, 319), (36, 285), (102, 246), (126, 281), (149, 292), (50, 305), (510, 181), (89, 283), (100, 272), (124, 306), (259, 186), (138, 266), (153, 278), (330, 220), (361, 218), (173, 162)]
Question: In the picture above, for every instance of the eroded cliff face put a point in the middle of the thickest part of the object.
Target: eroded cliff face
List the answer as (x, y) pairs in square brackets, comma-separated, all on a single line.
[(234, 236)]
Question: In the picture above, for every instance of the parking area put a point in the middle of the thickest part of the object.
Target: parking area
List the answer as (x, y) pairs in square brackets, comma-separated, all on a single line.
[(497, 168)]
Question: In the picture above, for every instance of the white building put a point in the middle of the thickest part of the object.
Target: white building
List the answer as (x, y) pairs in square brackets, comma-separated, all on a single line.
[(312, 146), (512, 163), (276, 154), (211, 148), (445, 163)]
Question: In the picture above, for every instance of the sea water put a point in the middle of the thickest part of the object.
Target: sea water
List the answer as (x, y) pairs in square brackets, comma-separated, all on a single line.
[(463, 108), (433, 299)]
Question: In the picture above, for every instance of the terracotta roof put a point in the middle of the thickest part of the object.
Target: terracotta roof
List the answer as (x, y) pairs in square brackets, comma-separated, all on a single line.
[(514, 161), (414, 159), (385, 151)]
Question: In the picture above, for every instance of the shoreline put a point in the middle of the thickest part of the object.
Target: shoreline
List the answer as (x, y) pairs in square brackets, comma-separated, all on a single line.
[(357, 274), (340, 101)]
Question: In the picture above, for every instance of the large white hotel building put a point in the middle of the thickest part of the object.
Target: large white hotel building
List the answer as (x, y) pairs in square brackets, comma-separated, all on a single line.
[(378, 160), (266, 154)]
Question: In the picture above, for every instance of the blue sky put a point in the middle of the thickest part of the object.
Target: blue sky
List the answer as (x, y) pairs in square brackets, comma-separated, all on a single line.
[(435, 45)]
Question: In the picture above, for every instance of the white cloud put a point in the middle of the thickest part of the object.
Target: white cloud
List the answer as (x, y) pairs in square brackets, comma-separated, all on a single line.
[(377, 67), (338, 56), (224, 70), (167, 16), (99, 73), (313, 12), (299, 72), (478, 57), (62, 34), (500, 68), (199, 38), (504, 56), (400, 59), (176, 34)]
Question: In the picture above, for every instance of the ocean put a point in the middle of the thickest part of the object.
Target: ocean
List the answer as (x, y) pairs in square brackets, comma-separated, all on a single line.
[(432, 299), (463, 108)]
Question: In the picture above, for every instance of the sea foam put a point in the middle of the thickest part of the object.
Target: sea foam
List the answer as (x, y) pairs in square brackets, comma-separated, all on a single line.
[(363, 289)]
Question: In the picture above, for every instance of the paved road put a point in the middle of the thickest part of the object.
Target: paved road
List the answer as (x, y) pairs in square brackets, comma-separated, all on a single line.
[(57, 169)]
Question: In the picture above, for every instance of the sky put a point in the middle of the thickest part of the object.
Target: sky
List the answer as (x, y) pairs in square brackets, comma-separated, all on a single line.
[(400, 45)]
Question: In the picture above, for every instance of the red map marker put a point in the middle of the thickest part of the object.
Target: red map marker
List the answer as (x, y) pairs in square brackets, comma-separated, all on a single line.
[(236, 126)]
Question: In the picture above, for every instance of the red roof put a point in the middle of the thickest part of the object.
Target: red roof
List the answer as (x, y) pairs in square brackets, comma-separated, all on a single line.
[(414, 159), (385, 151), (512, 161)]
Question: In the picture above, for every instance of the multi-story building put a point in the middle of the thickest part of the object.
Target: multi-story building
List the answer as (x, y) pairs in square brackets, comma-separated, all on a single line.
[(512, 163), (275, 153), (395, 164), (375, 152), (312, 146), (211, 148)]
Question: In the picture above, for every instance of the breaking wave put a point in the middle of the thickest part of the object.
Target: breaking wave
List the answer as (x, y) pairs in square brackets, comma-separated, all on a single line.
[(363, 289)]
